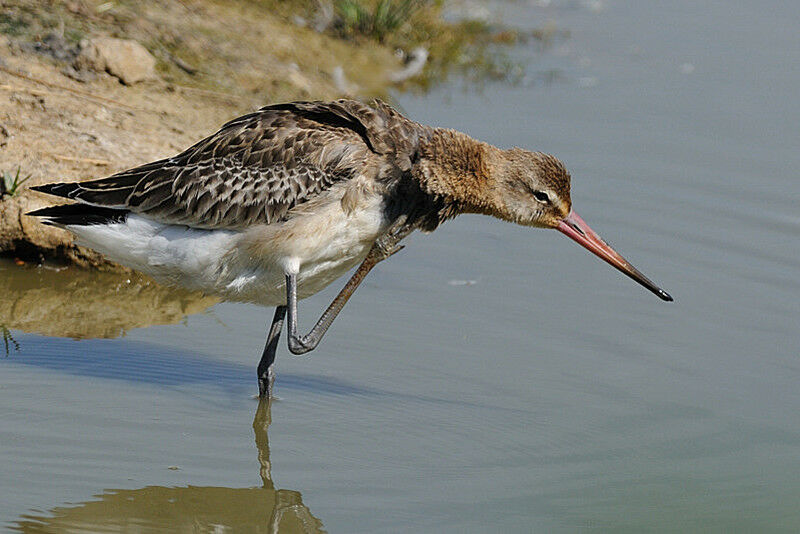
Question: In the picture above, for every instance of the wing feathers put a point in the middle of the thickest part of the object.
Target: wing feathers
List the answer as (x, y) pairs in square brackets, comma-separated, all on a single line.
[(257, 167), (79, 214)]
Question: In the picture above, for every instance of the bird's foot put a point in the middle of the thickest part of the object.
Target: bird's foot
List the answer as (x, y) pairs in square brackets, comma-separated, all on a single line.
[(265, 384), (387, 244)]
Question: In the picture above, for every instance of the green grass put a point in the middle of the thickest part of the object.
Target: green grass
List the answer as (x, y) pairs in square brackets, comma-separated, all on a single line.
[(13, 24), (12, 183), (375, 20), (477, 50)]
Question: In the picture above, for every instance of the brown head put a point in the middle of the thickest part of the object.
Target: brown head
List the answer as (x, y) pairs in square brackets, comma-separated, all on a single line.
[(516, 185), (532, 189)]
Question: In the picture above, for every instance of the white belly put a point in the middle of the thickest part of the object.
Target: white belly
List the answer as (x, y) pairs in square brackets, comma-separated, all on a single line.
[(250, 265)]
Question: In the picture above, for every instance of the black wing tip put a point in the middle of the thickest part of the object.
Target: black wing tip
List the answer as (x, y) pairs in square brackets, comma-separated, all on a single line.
[(42, 188), (41, 212), (78, 215), (59, 189), (44, 214)]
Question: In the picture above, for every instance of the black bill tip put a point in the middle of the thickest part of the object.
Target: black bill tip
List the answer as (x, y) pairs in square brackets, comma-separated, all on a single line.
[(663, 295)]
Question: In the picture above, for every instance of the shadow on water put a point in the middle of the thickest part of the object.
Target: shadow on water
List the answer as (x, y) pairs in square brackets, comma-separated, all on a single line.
[(190, 509), (144, 363), (93, 306), (90, 306)]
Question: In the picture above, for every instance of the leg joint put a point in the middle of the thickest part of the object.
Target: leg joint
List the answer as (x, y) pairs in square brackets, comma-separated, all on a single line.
[(298, 346)]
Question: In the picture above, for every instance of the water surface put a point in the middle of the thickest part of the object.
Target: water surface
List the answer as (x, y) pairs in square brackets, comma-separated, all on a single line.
[(489, 377)]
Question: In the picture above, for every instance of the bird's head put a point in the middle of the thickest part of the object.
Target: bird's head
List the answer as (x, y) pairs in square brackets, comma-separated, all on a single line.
[(533, 189)]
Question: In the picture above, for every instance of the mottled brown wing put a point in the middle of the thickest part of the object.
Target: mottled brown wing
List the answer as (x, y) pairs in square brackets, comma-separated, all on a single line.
[(254, 170)]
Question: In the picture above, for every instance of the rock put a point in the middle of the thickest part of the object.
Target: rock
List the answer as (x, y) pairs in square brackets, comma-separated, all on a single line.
[(82, 75), (27, 238), (124, 58), (55, 46)]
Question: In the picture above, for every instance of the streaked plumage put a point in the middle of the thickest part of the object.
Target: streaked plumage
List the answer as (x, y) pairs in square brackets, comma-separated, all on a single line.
[(258, 167), (281, 202), (286, 169)]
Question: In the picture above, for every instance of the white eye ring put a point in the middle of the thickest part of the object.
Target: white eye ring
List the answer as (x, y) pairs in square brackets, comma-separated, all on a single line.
[(542, 197)]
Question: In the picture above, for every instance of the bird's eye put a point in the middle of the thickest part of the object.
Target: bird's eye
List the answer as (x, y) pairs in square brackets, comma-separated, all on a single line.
[(541, 196)]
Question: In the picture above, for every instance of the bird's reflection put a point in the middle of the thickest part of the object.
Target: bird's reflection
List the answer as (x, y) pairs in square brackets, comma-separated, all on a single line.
[(188, 509), (77, 303)]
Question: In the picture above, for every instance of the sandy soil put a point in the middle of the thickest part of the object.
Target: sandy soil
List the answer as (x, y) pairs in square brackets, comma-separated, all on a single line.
[(58, 129), (55, 127)]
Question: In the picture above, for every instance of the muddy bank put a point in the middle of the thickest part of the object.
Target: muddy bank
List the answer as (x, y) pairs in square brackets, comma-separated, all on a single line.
[(72, 107), (55, 128), (66, 114)]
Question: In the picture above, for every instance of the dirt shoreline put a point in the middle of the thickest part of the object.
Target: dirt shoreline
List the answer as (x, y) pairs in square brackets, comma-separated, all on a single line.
[(55, 125), (63, 117), (53, 130)]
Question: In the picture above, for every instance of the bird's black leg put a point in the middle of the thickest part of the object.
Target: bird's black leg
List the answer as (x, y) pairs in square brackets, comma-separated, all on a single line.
[(266, 375), (384, 246)]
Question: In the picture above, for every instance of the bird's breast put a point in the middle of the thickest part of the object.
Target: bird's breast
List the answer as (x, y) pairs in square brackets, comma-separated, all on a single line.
[(322, 240)]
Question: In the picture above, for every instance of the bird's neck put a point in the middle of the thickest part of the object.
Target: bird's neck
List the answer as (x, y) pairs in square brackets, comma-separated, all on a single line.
[(460, 170)]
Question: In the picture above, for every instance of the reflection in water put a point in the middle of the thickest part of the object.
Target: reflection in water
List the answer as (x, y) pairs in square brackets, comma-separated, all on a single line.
[(77, 303), (189, 509), (8, 339)]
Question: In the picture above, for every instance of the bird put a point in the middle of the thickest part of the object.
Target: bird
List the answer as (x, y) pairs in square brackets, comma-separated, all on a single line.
[(281, 202)]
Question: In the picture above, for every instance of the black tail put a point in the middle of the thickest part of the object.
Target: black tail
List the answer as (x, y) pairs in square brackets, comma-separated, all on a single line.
[(77, 214)]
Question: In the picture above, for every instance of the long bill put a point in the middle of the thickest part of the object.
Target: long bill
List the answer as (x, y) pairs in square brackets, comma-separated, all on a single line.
[(576, 228)]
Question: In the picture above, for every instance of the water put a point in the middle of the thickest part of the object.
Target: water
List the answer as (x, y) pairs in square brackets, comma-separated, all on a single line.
[(489, 377)]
